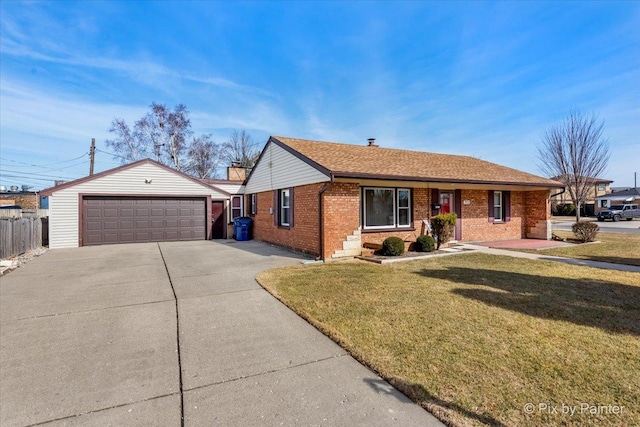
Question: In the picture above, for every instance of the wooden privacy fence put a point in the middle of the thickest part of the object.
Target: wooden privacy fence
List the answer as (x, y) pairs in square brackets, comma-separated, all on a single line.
[(18, 235)]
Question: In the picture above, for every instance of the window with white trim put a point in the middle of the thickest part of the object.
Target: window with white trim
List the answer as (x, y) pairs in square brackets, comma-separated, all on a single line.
[(604, 203), (386, 207), (236, 207), (285, 210), (497, 206), (404, 207)]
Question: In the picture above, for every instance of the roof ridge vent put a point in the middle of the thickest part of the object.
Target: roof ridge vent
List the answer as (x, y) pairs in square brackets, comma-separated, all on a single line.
[(372, 142)]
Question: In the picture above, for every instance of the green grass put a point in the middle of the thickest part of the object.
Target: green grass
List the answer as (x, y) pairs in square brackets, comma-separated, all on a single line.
[(613, 247), (474, 337)]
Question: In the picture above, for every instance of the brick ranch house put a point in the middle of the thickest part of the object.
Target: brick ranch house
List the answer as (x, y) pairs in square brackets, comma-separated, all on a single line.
[(327, 199)]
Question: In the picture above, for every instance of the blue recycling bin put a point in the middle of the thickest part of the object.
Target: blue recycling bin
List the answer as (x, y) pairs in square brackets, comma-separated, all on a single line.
[(241, 227)]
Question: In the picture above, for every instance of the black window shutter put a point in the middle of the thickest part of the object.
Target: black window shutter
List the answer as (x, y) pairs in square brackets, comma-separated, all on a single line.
[(291, 214), (507, 205), (276, 206), (491, 218), (435, 199)]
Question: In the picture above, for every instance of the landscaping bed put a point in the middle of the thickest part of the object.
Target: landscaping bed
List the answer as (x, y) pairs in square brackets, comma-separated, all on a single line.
[(476, 338)]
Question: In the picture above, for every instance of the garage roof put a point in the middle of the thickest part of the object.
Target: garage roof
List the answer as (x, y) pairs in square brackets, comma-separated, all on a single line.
[(49, 191)]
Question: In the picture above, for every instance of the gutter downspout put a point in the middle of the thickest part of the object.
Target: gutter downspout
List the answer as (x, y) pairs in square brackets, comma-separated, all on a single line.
[(564, 190), (320, 210)]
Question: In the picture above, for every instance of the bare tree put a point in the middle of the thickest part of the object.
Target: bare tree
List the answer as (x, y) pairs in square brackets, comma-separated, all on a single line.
[(161, 132), (126, 143), (204, 157), (575, 152), (240, 150)]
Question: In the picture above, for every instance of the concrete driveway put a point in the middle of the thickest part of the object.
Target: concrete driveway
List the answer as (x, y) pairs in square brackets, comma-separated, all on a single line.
[(148, 334)]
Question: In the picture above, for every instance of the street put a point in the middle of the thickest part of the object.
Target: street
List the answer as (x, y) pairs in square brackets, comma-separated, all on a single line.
[(632, 227)]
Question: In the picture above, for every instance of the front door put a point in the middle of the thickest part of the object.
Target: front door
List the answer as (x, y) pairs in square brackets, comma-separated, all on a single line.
[(446, 203), (217, 218)]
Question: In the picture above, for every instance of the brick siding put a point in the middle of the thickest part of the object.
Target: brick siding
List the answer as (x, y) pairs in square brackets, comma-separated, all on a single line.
[(304, 235), (341, 215), (475, 218), (25, 201), (538, 208), (342, 211)]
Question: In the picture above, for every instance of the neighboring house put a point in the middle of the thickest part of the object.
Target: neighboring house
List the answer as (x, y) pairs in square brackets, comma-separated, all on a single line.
[(144, 201), (629, 195), (327, 199), (24, 199), (597, 187)]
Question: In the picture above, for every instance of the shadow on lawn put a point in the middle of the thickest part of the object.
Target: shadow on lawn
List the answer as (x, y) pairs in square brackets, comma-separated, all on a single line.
[(610, 306), (422, 396)]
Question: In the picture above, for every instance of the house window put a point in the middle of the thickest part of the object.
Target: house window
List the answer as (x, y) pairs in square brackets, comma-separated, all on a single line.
[(236, 207), (601, 187), (404, 207), (254, 208), (387, 207), (603, 203), (285, 210), (497, 206)]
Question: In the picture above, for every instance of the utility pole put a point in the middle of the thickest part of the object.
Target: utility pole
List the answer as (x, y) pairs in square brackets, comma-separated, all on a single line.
[(92, 155)]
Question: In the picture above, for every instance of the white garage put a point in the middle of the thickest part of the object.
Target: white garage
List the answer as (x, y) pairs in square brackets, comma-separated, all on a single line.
[(143, 201)]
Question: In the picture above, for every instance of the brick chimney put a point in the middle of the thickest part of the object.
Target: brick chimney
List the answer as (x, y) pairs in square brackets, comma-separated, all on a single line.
[(236, 173), (372, 142)]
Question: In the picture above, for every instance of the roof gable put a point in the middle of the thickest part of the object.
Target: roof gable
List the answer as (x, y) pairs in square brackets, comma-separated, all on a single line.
[(360, 161), (630, 192), (280, 166), (123, 168)]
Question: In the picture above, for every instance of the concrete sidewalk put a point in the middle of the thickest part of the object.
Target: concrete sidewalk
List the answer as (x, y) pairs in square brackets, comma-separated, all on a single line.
[(573, 261), (146, 334)]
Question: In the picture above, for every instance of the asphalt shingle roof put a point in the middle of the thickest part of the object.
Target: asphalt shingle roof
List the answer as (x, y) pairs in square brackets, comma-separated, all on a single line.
[(387, 163)]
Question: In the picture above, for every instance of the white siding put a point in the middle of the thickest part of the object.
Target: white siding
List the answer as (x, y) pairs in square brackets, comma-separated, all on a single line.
[(280, 169), (231, 188), (64, 204)]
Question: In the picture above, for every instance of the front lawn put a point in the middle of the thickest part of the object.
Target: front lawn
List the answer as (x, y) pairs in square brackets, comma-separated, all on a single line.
[(474, 338), (613, 247)]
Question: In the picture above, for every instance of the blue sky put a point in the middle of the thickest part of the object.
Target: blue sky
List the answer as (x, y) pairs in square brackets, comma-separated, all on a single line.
[(473, 78)]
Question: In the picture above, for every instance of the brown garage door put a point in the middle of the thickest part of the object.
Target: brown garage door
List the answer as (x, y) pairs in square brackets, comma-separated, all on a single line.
[(107, 220)]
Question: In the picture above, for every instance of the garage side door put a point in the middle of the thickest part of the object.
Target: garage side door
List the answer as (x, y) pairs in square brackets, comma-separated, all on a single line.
[(109, 220)]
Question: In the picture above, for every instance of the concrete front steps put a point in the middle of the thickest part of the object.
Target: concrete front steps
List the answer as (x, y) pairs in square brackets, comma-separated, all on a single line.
[(351, 246)]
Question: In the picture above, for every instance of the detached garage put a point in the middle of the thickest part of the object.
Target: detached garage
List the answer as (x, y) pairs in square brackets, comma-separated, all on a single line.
[(140, 202)]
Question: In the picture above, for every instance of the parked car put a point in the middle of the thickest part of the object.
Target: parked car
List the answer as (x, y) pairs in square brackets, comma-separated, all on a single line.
[(618, 212)]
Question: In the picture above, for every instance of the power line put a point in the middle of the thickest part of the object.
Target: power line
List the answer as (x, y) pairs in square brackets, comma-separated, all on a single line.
[(37, 174), (45, 165), (26, 178), (111, 154), (52, 170)]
